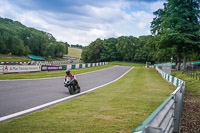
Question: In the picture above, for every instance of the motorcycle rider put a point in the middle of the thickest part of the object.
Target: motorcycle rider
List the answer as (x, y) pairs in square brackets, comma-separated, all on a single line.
[(68, 74)]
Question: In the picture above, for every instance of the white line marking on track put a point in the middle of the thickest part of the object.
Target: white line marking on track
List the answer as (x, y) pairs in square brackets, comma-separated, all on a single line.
[(57, 101)]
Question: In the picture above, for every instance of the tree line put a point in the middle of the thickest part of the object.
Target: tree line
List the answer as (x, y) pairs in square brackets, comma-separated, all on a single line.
[(176, 30), (122, 48), (20, 40), (175, 37)]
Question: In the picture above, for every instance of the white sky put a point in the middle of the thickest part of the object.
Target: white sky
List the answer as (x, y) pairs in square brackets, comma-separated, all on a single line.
[(83, 21)]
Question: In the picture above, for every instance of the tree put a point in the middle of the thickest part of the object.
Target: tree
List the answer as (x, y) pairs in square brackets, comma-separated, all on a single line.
[(17, 46), (85, 54), (92, 53), (50, 50), (21, 40), (141, 53), (60, 49), (126, 47), (109, 52), (66, 47), (178, 27)]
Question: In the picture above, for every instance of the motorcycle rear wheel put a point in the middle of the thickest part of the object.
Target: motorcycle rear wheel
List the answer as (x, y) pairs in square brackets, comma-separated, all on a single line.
[(77, 89), (70, 88)]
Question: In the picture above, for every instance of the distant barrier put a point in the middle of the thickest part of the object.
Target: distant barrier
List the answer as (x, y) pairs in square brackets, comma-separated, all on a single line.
[(39, 62), (85, 65), (14, 63), (4, 69), (1, 69), (166, 118), (20, 68)]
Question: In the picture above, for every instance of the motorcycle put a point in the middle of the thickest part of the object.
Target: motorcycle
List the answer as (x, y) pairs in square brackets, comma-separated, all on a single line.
[(72, 85)]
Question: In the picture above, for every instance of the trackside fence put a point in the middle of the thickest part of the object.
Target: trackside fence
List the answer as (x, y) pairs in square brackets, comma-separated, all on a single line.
[(166, 118), (4, 69)]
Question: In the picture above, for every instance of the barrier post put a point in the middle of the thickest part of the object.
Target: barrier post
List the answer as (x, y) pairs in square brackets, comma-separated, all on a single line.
[(177, 112)]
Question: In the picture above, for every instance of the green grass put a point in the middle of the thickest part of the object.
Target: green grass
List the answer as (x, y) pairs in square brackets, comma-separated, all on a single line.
[(192, 85), (55, 59), (118, 107), (74, 52), (4, 58), (127, 64), (46, 74), (14, 58)]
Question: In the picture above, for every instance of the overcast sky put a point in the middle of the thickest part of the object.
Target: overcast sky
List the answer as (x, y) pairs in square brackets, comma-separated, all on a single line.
[(83, 21)]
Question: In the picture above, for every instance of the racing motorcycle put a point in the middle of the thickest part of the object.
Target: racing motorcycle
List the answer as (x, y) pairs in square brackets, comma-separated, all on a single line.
[(72, 85)]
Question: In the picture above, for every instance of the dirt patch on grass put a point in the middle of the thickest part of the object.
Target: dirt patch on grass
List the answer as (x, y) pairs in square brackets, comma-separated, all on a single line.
[(105, 117), (190, 121)]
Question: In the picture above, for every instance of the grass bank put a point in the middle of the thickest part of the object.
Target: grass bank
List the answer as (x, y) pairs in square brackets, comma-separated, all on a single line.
[(190, 120), (127, 64), (14, 58), (118, 107), (192, 85), (47, 74), (5, 58), (74, 52)]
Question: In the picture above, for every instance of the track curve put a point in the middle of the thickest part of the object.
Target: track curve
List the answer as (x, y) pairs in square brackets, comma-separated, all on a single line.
[(19, 95)]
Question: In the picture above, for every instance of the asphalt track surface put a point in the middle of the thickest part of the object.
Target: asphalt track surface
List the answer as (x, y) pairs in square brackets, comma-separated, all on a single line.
[(19, 95)]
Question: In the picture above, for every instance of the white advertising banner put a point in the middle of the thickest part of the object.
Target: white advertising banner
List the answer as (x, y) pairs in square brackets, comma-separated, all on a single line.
[(77, 66), (69, 67), (21, 68), (1, 69)]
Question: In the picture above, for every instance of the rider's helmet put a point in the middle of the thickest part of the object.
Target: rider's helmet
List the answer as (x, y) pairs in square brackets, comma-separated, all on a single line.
[(68, 72)]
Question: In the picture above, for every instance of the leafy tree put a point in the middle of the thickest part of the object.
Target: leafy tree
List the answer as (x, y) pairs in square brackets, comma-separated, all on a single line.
[(66, 47), (21, 40), (141, 53), (27, 50), (85, 54), (92, 53), (178, 27), (50, 50), (17, 46), (109, 52), (126, 47), (60, 49)]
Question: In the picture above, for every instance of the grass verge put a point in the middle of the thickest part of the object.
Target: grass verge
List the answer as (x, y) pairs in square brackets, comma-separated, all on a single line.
[(190, 120), (127, 64), (47, 74), (118, 107), (192, 85)]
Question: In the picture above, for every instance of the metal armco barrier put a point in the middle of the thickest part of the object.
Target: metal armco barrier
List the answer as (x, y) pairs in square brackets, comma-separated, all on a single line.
[(166, 118)]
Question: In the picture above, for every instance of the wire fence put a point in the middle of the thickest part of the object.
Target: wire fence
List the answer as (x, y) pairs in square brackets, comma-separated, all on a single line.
[(193, 74), (193, 70)]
